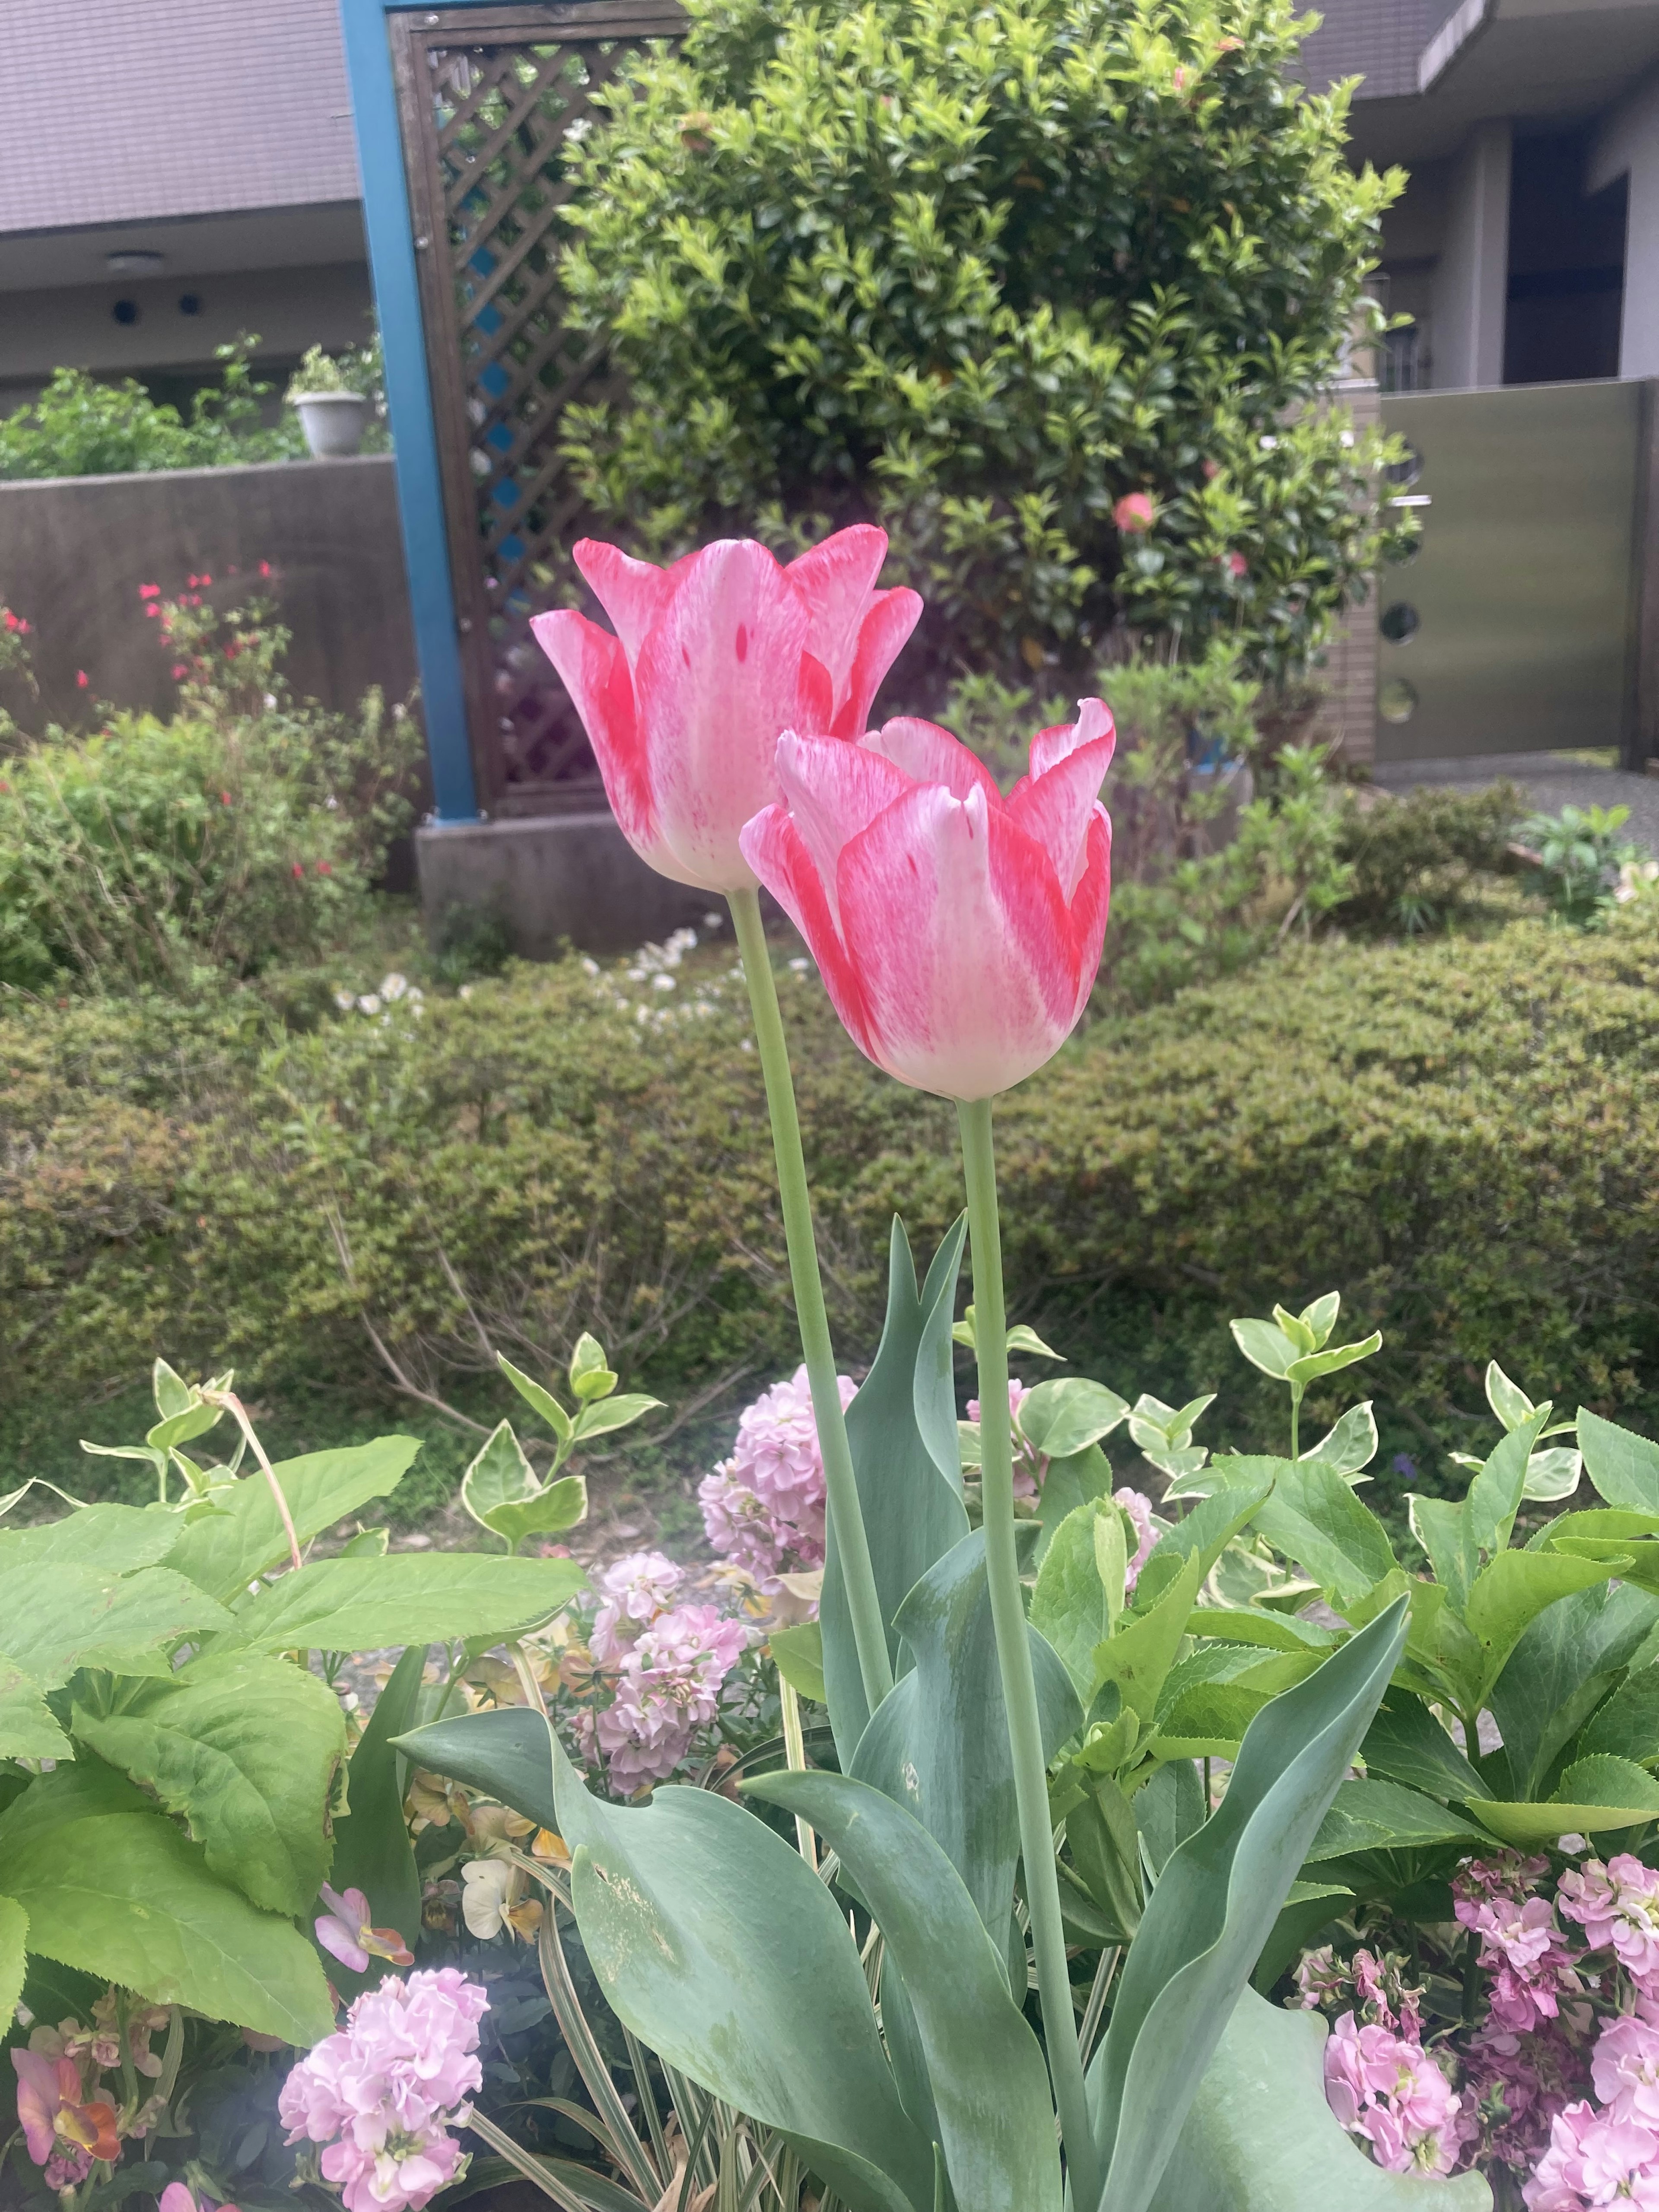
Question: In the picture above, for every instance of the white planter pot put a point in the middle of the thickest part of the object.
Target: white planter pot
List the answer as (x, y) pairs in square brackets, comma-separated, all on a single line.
[(333, 421)]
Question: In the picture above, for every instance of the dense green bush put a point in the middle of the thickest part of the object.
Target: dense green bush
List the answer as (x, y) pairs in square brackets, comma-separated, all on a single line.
[(90, 425), (1458, 1135), (983, 271)]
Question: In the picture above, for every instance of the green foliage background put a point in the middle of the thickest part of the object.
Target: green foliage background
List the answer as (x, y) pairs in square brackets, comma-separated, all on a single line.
[(1457, 1134), (978, 271)]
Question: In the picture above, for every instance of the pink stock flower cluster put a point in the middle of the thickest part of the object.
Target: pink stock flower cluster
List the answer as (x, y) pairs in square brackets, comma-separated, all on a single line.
[(1386, 2088), (671, 1664), (1608, 2154), (763, 1507), (382, 2095), (1521, 1943), (1617, 1906)]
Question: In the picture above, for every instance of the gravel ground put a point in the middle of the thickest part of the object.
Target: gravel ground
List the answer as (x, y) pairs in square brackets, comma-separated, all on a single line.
[(1551, 780)]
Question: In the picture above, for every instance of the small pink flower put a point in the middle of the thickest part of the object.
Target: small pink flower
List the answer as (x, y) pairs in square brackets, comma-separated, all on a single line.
[(82, 679), (1140, 1511), (149, 591), (1392, 2094), (1133, 512), (1617, 1906), (177, 2198), (634, 1589), (1236, 565), (346, 1931), (1625, 2070), (180, 671), (763, 1507)]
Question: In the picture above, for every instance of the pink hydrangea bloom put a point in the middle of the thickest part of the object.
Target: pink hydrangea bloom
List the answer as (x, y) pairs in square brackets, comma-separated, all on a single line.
[(1392, 2094), (1617, 1906), (634, 1589), (668, 1688), (1594, 2160), (764, 1505), (381, 2094)]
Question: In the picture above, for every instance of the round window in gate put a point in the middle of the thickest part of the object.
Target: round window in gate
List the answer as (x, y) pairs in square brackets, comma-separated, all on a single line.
[(1403, 473), (1396, 702), (1400, 624)]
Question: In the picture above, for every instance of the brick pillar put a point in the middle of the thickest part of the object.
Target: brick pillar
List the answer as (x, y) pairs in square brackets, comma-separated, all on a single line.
[(1347, 669)]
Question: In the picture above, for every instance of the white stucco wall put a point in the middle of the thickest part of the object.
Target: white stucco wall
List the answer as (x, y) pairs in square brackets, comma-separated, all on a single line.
[(1471, 282), (1626, 144)]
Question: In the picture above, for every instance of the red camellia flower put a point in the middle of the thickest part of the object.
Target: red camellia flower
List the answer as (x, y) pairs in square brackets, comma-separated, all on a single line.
[(957, 932), (713, 659), (81, 679), (1236, 565), (299, 869), (1133, 512)]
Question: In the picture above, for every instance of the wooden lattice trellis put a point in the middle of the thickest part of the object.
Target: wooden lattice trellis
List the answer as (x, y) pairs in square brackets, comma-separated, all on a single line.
[(489, 97)]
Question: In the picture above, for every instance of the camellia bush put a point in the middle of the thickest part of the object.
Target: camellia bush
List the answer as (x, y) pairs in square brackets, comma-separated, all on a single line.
[(1051, 291)]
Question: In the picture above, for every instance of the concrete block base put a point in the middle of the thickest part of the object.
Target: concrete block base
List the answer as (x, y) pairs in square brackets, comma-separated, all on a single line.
[(558, 878)]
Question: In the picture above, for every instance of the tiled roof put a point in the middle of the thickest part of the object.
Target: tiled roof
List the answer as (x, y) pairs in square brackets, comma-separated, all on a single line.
[(136, 109), (1379, 41)]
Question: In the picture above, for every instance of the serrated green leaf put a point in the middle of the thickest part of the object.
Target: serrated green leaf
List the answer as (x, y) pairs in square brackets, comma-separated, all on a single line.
[(27, 1729), (1384, 1816), (1594, 1794), (1312, 1517), (245, 1752), (1266, 1347), (1069, 1414), (119, 1537), (1494, 1495), (1273, 1631), (989, 2082), (1513, 1589), (1144, 1648), (798, 1654), (1203, 1534), (1406, 1743), (224, 1551), (60, 1616), (1626, 1725), (1624, 1467), (14, 1958), (409, 1597), (112, 1887), (1566, 1661), (543, 1401)]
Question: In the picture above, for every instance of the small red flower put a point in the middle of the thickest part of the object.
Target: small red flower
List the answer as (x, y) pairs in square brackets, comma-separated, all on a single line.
[(264, 567), (231, 650), (224, 798), (82, 679), (149, 591), (180, 671), (325, 868), (204, 580), (1212, 471), (152, 610), (299, 869), (1133, 512), (1236, 565)]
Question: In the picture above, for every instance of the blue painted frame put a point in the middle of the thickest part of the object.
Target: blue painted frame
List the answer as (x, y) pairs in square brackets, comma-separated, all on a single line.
[(389, 223)]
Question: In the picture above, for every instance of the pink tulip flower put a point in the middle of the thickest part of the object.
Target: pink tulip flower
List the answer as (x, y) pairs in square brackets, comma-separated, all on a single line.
[(957, 932), (713, 659)]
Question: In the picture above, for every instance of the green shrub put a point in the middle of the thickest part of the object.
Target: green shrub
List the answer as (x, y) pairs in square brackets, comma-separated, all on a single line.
[(982, 271), (1415, 861), (89, 426), (1456, 1136)]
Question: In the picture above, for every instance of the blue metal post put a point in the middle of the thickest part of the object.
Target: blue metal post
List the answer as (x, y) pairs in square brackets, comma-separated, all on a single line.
[(388, 222)]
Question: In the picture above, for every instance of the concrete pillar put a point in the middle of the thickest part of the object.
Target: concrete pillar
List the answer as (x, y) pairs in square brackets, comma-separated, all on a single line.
[(1626, 144), (1471, 284)]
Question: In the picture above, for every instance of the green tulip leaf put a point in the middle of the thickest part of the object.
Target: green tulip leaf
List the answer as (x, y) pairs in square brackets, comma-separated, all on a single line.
[(372, 1849), (502, 1751), (989, 2082)]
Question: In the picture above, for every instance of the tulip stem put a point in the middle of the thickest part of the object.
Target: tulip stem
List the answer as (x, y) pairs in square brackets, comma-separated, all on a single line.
[(840, 1486), (1014, 1658)]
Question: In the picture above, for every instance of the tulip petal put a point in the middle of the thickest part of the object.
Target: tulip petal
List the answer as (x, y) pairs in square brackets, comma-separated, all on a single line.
[(964, 947), (1055, 807), (719, 678), (835, 579), (833, 790), (778, 854), (1091, 900), (929, 754), (1050, 746), (632, 593), (882, 637)]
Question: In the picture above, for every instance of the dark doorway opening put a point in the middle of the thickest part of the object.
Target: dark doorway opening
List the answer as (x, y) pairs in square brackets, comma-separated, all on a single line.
[(1566, 267)]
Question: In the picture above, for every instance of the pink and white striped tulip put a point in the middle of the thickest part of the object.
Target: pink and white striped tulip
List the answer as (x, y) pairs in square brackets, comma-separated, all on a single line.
[(712, 659), (957, 932)]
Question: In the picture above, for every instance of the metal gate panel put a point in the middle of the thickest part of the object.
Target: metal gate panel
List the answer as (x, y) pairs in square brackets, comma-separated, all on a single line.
[(1522, 586), (488, 97)]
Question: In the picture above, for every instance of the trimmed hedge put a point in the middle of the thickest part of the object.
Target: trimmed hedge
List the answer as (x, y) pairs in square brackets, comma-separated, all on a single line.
[(1459, 1135)]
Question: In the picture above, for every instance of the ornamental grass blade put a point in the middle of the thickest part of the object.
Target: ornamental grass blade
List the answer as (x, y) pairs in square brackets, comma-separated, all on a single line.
[(989, 2082), (1261, 2138), (1216, 1902), (938, 1745), (899, 1428), (716, 1943)]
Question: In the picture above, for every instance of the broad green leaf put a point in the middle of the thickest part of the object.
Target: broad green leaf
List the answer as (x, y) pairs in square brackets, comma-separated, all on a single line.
[(1068, 1414), (1207, 1721), (1381, 1816), (119, 1537), (1636, 1563), (989, 2082), (1312, 1517), (1152, 1423), (913, 1512), (14, 1958), (1494, 1495), (1216, 1902), (1069, 1606), (368, 1544), (500, 1474), (1104, 1843), (1514, 1590), (798, 1654), (1022, 1339), (1406, 1743), (938, 1744), (1266, 1347), (1312, 1364), (1273, 1632), (1552, 1474), (1624, 1467), (501, 1750), (1442, 1649), (1167, 1808), (1262, 2137), (1320, 1317), (223, 1552), (1351, 1446), (1437, 1524), (182, 1427), (373, 1852), (27, 1729), (1202, 1534), (60, 1617), (543, 1401), (110, 1886), (1507, 1399), (590, 1374), (549, 1513), (1594, 1794), (1627, 1726), (1069, 1484), (600, 1416), (409, 1597), (1613, 1523), (716, 1944), (1144, 1648), (245, 1751), (173, 1394), (1112, 1556), (1564, 1664)]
